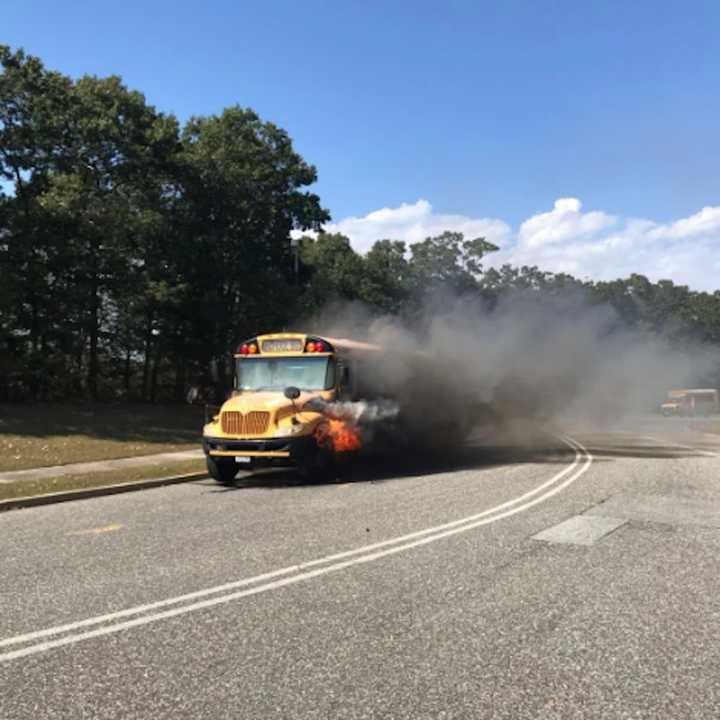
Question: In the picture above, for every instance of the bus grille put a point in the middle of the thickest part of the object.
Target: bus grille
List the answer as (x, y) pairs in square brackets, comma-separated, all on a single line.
[(235, 423), (256, 423)]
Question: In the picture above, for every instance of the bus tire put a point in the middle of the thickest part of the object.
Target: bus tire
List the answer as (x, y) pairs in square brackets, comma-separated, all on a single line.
[(222, 471)]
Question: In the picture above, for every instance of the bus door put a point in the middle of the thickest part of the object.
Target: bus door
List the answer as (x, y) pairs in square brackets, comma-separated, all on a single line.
[(346, 379)]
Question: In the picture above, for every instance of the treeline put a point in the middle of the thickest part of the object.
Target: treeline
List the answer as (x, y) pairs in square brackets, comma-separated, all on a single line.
[(393, 278), (135, 252)]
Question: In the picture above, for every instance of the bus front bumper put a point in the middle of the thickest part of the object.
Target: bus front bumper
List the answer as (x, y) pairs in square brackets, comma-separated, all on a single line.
[(287, 451)]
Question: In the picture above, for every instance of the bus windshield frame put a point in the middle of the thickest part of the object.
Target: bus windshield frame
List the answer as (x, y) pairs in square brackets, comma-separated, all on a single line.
[(274, 374)]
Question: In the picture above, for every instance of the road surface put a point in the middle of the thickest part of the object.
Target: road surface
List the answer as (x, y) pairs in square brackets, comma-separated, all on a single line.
[(549, 576)]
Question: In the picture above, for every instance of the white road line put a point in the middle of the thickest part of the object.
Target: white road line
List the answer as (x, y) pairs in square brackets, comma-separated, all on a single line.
[(365, 555), (139, 609)]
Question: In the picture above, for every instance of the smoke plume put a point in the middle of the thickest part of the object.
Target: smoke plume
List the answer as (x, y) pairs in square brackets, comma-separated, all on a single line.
[(548, 360)]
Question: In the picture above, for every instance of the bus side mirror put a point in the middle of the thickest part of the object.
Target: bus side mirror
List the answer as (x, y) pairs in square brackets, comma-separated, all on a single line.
[(291, 393), (345, 375)]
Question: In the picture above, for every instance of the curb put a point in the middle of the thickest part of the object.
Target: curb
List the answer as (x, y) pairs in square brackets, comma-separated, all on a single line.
[(86, 493)]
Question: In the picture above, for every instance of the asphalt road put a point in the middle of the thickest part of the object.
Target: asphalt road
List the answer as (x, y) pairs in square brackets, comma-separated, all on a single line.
[(534, 577)]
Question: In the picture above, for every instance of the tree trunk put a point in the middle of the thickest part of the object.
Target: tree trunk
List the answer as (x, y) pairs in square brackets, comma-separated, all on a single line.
[(155, 368), (180, 379), (126, 373), (36, 367), (222, 382), (93, 363), (147, 356)]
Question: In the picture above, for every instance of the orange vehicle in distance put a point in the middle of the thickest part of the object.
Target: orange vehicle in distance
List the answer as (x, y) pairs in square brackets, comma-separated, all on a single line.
[(699, 401)]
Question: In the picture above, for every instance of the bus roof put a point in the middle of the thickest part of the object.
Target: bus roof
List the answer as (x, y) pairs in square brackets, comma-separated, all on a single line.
[(692, 391), (347, 344), (293, 343)]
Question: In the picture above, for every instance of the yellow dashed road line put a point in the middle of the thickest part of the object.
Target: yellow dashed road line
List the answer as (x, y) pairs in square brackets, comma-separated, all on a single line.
[(97, 530)]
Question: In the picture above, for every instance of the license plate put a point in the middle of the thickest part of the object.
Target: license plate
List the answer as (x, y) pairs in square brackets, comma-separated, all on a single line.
[(242, 459)]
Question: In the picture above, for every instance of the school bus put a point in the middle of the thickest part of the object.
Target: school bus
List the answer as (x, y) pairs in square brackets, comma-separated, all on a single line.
[(698, 401), (280, 412)]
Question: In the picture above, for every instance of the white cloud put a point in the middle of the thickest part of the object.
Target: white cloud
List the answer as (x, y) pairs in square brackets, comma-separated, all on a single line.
[(413, 223), (590, 244), (706, 222), (599, 246), (564, 222)]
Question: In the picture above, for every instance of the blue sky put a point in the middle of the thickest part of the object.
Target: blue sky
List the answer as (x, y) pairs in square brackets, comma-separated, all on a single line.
[(481, 110)]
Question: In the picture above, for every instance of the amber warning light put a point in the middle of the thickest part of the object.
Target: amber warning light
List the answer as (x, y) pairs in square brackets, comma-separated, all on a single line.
[(284, 345), (248, 348), (317, 346)]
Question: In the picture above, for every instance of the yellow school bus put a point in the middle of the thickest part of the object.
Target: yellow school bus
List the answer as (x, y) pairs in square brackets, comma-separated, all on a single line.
[(278, 412)]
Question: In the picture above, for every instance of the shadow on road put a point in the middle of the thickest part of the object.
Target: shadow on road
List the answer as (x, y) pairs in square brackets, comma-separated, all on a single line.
[(385, 466), (644, 452), (409, 463)]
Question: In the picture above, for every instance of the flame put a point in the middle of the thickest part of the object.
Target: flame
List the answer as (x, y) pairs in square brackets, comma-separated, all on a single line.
[(339, 434)]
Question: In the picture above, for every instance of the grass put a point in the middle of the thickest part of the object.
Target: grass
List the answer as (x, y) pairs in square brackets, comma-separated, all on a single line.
[(42, 434), (28, 488)]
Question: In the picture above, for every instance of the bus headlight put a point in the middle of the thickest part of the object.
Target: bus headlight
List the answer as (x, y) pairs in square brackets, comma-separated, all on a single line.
[(288, 430)]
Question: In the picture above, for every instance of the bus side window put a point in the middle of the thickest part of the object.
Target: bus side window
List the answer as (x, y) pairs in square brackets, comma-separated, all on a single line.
[(345, 381)]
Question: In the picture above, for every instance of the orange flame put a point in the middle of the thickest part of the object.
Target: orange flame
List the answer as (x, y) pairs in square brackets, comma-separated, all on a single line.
[(340, 435)]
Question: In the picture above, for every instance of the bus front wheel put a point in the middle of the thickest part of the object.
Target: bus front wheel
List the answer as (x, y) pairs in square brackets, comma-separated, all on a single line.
[(222, 471)]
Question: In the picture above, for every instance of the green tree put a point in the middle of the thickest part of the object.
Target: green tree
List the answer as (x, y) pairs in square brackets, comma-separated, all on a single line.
[(243, 193), (449, 261), (33, 106), (110, 171), (387, 277), (334, 271)]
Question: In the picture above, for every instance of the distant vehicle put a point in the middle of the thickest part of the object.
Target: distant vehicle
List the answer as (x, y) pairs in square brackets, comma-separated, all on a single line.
[(699, 401)]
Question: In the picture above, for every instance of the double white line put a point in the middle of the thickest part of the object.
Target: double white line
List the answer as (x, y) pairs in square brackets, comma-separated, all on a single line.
[(42, 640)]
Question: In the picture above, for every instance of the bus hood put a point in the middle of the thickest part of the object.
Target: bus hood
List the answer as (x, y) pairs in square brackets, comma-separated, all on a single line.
[(270, 401)]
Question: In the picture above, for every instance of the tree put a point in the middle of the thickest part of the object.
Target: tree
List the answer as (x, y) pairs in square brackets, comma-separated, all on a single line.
[(449, 261), (334, 270), (126, 245), (387, 279), (242, 195), (108, 176), (33, 107)]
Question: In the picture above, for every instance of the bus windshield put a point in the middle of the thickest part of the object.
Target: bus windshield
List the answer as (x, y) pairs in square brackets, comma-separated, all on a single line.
[(305, 373)]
